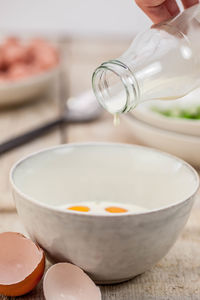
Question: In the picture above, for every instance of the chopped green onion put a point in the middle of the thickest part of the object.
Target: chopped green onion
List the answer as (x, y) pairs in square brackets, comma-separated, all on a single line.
[(178, 112)]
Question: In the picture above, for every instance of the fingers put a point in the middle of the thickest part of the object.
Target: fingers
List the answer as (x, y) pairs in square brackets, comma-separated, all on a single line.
[(156, 14), (188, 3), (172, 7), (159, 10)]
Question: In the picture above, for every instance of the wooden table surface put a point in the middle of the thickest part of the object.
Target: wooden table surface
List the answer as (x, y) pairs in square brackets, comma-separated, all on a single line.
[(177, 276)]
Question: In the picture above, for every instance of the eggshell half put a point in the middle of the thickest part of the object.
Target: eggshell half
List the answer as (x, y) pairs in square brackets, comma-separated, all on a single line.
[(22, 264), (64, 281)]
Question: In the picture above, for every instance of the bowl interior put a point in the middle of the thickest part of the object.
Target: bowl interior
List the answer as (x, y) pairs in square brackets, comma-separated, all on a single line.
[(104, 172), (188, 102)]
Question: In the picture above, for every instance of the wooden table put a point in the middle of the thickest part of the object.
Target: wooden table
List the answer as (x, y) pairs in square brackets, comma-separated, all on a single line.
[(177, 276)]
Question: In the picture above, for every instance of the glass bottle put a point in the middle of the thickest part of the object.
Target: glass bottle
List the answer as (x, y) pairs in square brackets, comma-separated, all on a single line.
[(161, 63)]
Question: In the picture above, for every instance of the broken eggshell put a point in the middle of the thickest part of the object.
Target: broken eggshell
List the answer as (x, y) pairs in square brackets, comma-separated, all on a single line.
[(64, 281), (22, 264)]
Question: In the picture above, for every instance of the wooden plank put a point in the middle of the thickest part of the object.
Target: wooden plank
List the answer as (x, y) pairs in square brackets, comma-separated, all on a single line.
[(102, 130), (175, 277), (14, 122)]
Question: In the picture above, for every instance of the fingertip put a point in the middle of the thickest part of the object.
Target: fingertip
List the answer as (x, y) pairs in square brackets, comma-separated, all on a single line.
[(172, 7), (157, 14)]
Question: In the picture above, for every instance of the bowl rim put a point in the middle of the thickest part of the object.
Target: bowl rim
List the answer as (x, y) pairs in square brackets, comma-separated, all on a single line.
[(33, 201), (5, 85), (168, 132)]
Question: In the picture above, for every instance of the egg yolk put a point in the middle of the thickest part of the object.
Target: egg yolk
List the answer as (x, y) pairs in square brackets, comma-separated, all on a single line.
[(79, 208), (115, 209)]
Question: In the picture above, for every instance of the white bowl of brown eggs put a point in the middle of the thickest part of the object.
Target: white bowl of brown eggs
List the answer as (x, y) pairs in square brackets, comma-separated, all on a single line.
[(112, 209), (27, 69)]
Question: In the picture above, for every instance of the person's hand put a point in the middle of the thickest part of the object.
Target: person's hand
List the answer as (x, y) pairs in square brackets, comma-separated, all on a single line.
[(161, 10)]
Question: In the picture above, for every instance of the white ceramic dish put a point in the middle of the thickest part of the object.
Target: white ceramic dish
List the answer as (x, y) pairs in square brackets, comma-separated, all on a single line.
[(110, 248), (184, 146), (187, 126), (24, 90)]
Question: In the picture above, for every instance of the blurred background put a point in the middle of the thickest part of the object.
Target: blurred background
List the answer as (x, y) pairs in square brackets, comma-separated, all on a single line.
[(44, 71), (38, 76), (85, 33), (116, 18)]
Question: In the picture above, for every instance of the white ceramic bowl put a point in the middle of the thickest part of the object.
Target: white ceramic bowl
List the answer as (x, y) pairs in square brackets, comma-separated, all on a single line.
[(184, 146), (110, 248), (24, 90), (145, 113)]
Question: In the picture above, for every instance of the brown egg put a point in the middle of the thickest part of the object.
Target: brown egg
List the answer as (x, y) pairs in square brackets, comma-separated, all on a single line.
[(3, 77), (46, 57), (19, 60), (43, 54), (12, 40), (64, 281), (22, 264), (13, 53), (18, 71)]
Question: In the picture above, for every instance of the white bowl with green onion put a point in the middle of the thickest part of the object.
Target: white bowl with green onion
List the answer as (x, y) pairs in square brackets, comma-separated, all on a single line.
[(182, 115)]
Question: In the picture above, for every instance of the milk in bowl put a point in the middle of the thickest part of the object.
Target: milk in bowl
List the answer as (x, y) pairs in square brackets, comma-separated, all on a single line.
[(112, 209)]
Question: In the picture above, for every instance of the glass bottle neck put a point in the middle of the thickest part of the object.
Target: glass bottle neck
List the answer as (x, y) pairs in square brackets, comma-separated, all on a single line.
[(115, 87), (161, 63)]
